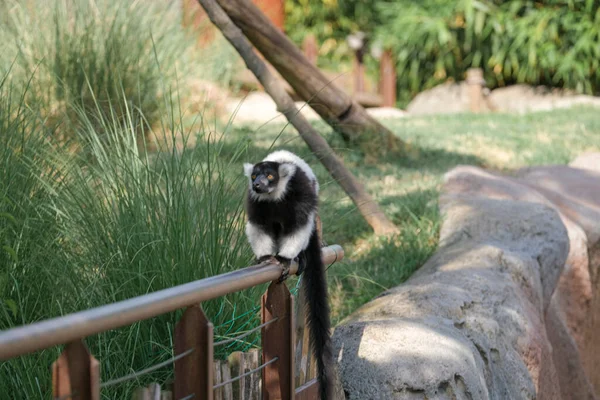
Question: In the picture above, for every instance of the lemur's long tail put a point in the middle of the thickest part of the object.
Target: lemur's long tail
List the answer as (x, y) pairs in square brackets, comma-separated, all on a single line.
[(315, 289)]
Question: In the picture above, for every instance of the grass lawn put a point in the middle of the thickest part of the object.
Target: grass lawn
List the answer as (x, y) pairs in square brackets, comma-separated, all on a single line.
[(408, 188)]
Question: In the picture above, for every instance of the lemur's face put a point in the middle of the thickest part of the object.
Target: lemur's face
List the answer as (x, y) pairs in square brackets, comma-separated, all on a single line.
[(265, 177)]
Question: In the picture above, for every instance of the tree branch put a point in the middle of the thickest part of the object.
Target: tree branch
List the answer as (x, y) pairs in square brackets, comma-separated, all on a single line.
[(368, 208)]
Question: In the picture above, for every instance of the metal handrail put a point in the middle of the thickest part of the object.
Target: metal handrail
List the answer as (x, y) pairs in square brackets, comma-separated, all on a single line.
[(40, 335)]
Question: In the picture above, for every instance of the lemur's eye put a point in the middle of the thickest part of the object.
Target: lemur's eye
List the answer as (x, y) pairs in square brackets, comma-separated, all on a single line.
[(253, 176), (270, 177)]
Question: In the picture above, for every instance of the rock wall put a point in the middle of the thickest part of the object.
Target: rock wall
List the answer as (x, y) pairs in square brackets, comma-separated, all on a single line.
[(506, 308)]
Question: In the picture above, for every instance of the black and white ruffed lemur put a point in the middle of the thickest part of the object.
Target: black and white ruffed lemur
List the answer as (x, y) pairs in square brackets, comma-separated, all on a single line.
[(282, 205)]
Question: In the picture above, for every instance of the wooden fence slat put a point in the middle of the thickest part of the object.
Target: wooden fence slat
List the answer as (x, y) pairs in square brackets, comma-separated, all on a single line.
[(76, 373), (194, 373), (154, 390), (218, 393), (142, 393), (226, 375), (253, 386), (278, 342), (308, 391), (236, 365), (166, 395), (312, 366)]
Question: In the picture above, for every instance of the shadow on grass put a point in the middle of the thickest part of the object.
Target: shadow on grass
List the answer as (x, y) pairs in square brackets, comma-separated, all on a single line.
[(433, 160)]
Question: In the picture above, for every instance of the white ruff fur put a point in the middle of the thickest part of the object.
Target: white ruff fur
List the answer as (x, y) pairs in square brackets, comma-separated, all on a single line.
[(262, 244), (284, 156), (297, 241)]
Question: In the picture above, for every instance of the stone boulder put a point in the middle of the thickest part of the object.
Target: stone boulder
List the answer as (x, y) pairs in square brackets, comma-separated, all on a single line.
[(496, 312), (451, 98)]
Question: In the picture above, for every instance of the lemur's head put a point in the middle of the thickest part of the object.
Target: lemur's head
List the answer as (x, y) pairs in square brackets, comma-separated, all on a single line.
[(268, 179)]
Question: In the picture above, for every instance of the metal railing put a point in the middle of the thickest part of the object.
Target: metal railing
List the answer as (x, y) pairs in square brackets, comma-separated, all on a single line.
[(70, 329)]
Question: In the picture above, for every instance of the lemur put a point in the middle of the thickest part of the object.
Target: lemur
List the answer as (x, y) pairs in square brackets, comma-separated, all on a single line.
[(281, 205)]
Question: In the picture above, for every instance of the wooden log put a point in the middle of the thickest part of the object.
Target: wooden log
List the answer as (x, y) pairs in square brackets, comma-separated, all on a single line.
[(331, 103), (387, 79), (76, 373), (278, 343), (363, 201), (194, 372), (368, 99)]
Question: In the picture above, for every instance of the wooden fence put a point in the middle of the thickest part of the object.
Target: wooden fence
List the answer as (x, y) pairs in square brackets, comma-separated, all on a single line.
[(285, 363)]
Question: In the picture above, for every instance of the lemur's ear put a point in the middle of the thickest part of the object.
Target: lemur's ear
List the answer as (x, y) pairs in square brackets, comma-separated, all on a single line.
[(286, 169), (248, 169)]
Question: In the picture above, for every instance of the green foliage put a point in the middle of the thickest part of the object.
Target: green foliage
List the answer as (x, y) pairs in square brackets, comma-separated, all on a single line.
[(555, 43), (86, 52), (331, 21), (76, 234)]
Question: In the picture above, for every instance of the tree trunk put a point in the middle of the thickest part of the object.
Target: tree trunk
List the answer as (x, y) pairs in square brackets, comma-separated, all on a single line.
[(343, 114), (366, 205)]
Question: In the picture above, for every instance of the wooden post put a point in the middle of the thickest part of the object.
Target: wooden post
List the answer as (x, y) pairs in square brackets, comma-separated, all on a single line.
[(387, 79), (358, 72), (76, 374), (309, 48), (278, 341), (194, 372), (476, 83)]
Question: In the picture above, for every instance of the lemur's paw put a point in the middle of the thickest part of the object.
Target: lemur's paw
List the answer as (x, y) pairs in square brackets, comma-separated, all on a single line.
[(285, 273), (268, 258), (283, 260)]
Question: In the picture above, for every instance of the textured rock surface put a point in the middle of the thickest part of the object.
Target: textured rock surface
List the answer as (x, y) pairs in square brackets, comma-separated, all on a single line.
[(496, 313)]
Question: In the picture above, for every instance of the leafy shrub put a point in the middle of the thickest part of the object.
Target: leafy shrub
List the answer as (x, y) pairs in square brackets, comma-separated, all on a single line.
[(331, 21), (555, 43)]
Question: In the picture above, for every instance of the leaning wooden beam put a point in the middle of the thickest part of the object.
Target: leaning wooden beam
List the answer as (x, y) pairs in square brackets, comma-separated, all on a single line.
[(363, 201), (337, 108)]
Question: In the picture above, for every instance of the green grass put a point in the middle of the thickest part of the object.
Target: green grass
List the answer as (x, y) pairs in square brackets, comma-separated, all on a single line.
[(117, 55), (80, 230), (408, 188), (113, 220)]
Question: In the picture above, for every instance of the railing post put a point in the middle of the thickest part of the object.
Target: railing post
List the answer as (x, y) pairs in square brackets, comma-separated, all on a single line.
[(194, 372), (76, 373), (278, 341)]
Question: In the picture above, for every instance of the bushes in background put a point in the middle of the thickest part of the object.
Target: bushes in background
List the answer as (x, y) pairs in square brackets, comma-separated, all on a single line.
[(554, 42)]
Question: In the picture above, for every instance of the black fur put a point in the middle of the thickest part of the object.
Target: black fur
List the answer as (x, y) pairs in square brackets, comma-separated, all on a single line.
[(283, 217), (315, 290)]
